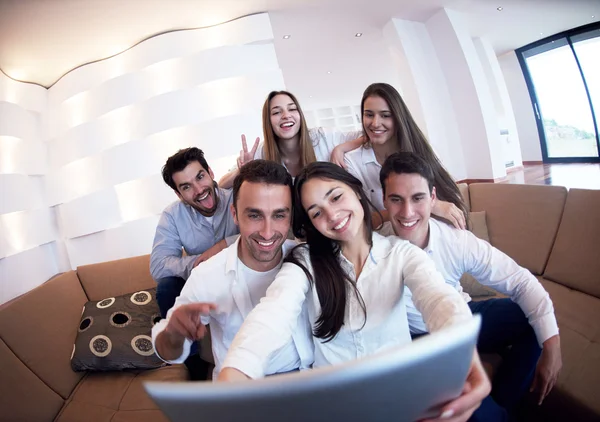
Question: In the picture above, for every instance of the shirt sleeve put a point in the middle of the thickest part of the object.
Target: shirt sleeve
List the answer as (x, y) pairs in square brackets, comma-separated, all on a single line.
[(166, 259), (439, 303), (270, 325), (333, 138), (197, 289), (493, 268), (259, 154)]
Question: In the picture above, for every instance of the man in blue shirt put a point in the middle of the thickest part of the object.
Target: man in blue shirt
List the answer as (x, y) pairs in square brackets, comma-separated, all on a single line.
[(199, 223)]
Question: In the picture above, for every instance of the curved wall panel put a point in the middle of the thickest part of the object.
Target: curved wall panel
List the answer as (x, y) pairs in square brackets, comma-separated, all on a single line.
[(18, 122), (131, 239), (250, 29), (108, 128), (27, 270), (27, 96), (22, 156), (27, 225), (26, 230)]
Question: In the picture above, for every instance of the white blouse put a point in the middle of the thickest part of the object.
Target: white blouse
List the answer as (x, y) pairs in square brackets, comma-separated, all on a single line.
[(362, 164), (392, 264), (324, 141)]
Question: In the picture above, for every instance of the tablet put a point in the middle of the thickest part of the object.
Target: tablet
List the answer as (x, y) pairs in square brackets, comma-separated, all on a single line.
[(399, 384)]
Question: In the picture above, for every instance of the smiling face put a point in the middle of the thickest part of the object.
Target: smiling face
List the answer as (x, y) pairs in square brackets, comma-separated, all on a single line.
[(263, 213), (378, 121), (333, 208), (196, 187), (409, 202), (285, 117)]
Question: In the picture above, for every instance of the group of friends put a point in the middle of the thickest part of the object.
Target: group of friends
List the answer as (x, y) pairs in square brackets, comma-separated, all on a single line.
[(320, 247)]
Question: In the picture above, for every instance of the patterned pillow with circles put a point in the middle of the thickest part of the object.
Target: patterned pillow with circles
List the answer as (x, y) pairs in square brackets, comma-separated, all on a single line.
[(115, 334)]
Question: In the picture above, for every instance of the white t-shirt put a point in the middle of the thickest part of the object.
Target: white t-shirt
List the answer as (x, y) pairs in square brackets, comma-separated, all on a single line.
[(222, 281)]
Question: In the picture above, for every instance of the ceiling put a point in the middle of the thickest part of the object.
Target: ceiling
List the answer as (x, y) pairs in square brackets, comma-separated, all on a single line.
[(41, 40)]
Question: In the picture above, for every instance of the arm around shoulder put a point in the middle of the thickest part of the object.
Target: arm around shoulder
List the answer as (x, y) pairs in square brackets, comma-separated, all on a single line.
[(271, 323)]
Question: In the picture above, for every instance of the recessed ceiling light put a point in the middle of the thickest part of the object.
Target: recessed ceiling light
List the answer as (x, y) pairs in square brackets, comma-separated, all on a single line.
[(593, 16), (329, 72), (285, 37), (541, 33), (358, 34), (499, 8)]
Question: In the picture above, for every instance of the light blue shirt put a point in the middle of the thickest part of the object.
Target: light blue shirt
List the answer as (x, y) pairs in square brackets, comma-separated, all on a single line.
[(182, 227)]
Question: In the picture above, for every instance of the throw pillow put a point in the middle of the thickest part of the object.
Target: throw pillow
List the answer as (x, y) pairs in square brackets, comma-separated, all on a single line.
[(469, 284), (115, 334)]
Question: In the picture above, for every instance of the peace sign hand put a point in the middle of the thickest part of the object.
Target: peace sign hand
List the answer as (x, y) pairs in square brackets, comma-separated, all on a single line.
[(245, 156)]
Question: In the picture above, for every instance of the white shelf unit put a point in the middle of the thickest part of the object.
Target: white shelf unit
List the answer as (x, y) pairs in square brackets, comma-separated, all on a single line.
[(344, 118)]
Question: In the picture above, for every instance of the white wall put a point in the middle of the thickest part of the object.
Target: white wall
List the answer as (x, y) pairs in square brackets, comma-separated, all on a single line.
[(470, 94), (99, 137), (425, 91), (30, 246), (504, 112), (529, 138)]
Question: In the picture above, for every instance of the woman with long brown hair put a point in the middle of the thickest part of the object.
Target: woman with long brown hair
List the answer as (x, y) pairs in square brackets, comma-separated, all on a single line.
[(351, 281), (389, 127), (287, 139)]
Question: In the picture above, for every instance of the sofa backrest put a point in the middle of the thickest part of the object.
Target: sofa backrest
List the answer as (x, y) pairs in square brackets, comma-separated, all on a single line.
[(116, 278), (464, 191), (522, 220), (575, 258), (37, 333)]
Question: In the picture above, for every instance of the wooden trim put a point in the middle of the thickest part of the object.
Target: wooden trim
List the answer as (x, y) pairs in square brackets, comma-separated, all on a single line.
[(496, 180), (531, 163), (513, 169)]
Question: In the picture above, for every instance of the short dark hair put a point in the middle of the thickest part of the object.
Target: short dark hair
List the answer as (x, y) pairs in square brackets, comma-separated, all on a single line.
[(406, 163), (179, 161), (261, 171)]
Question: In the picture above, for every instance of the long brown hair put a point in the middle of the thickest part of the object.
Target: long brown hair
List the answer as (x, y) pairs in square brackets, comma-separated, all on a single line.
[(330, 280), (411, 139), (271, 142)]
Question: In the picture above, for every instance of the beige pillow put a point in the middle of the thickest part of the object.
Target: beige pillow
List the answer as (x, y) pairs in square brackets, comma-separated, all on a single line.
[(471, 286)]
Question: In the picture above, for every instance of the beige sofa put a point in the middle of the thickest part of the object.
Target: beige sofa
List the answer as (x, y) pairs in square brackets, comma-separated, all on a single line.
[(553, 233), (37, 332)]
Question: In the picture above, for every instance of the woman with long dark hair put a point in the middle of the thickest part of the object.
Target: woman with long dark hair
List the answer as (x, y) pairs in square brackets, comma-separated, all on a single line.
[(388, 127), (351, 280), (289, 141)]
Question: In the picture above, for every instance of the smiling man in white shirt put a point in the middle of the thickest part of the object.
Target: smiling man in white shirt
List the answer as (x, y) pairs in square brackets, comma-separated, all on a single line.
[(223, 290), (525, 321)]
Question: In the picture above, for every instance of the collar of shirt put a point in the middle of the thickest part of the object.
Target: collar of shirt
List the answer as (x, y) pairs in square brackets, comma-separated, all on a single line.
[(381, 248), (368, 156), (434, 234), (232, 254)]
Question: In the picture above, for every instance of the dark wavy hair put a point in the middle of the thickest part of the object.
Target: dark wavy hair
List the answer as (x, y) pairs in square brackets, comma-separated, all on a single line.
[(330, 280), (179, 161), (410, 138)]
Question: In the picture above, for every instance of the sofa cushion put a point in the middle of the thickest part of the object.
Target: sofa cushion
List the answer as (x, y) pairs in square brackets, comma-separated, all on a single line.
[(115, 333), (19, 388), (469, 284), (522, 220), (464, 191), (40, 328), (116, 396), (575, 257), (116, 278), (578, 315)]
